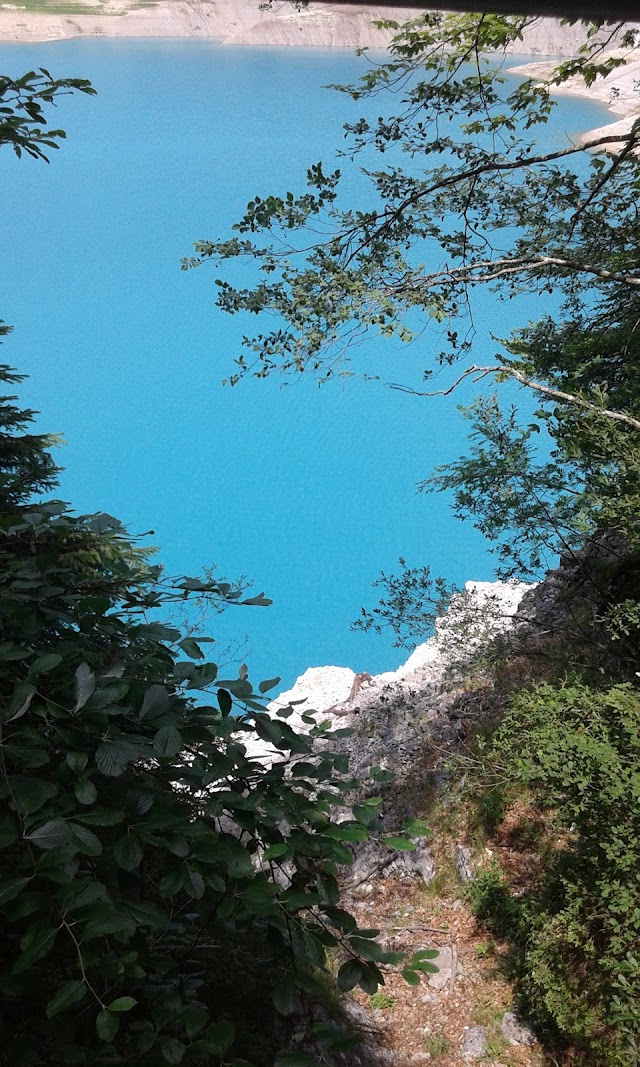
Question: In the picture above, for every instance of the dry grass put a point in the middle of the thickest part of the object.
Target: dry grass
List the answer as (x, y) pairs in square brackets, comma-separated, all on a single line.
[(424, 1021)]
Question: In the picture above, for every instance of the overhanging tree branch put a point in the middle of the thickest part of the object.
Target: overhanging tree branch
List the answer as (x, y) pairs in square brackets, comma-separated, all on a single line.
[(489, 270), (478, 373)]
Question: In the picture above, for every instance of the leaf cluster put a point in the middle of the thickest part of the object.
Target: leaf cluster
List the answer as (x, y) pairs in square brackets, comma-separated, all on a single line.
[(22, 111)]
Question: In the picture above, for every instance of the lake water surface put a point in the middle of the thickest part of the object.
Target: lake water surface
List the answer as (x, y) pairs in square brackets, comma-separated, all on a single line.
[(308, 491)]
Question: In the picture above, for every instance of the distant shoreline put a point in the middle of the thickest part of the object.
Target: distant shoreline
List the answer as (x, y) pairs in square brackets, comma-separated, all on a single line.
[(324, 25), (239, 22), (619, 92)]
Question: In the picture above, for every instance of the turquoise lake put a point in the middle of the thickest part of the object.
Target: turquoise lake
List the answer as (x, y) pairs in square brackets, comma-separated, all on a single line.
[(308, 491)]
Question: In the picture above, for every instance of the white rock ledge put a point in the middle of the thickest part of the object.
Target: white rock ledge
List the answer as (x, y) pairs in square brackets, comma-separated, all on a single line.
[(485, 609)]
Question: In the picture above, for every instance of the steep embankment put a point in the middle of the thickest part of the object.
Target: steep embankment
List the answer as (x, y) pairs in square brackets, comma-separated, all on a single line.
[(240, 22), (619, 90), (404, 722)]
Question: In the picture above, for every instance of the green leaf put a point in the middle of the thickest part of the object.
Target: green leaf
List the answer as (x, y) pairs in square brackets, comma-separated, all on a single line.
[(68, 994), (172, 883), (11, 887), (9, 651), (107, 1026), (225, 703), (172, 1050), (167, 741), (156, 702), (285, 995), (87, 895), (410, 977), (221, 1036), (265, 686), (85, 683), (380, 775), (225, 908), (8, 831), (35, 944), (77, 761), (20, 701), (366, 949), (108, 921), (122, 1004), (194, 884), (85, 791), (100, 817), (259, 601), (112, 757), (52, 834), (157, 631), (349, 975), (328, 889), (416, 828), (203, 676), (274, 851), (86, 840), (193, 1020), (128, 851), (31, 793), (146, 913), (191, 648), (347, 831), (270, 731), (400, 844), (45, 663), (371, 979)]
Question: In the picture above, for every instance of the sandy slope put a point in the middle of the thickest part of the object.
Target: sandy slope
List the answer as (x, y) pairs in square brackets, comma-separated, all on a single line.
[(620, 90), (232, 21), (241, 22)]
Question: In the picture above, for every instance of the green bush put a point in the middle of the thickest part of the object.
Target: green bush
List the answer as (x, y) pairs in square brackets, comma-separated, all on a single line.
[(577, 750), (491, 902), (162, 892)]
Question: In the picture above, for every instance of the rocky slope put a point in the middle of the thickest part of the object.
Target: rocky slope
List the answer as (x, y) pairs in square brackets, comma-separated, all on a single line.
[(619, 91), (240, 22), (463, 1013)]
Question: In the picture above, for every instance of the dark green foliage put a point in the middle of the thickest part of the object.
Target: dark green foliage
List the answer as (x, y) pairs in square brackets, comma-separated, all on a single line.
[(161, 889), (165, 898), (26, 466), (22, 113), (576, 752), (490, 900)]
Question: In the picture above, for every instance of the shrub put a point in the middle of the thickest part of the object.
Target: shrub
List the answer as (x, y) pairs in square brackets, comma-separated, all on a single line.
[(577, 749), (159, 885)]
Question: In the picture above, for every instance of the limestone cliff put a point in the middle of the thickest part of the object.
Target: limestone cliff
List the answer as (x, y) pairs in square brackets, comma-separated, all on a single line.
[(242, 22)]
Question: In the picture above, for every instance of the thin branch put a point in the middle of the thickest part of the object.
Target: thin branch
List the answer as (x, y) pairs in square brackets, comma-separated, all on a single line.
[(498, 268), (631, 145), (86, 981), (477, 373), (492, 166)]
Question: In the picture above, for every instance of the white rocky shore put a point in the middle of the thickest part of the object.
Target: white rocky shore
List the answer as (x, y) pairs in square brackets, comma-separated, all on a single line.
[(480, 613), (419, 692), (619, 91), (243, 22)]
